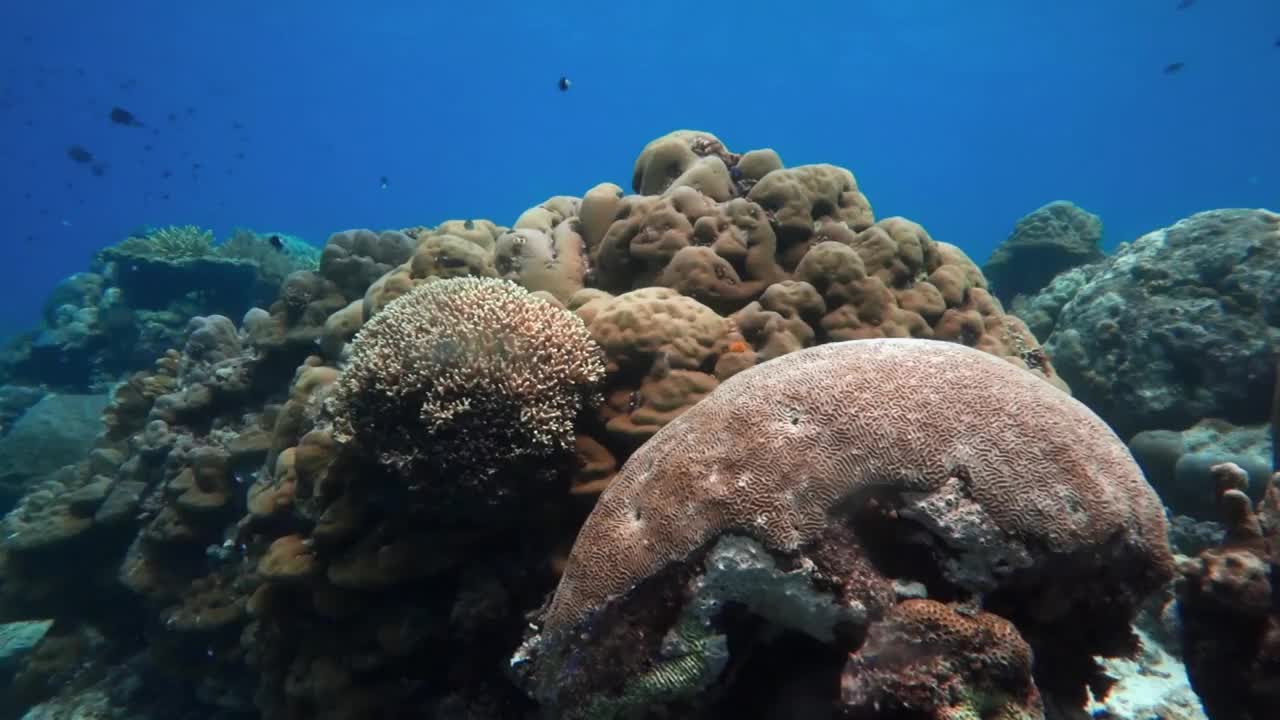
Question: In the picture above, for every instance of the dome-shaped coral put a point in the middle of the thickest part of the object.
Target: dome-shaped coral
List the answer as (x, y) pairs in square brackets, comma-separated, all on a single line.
[(466, 375)]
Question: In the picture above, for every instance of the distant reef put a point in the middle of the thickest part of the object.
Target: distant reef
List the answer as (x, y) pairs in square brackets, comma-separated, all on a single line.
[(1043, 244), (134, 301), (620, 458)]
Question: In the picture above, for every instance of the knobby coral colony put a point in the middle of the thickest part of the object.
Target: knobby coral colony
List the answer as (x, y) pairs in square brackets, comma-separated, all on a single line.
[(889, 527)]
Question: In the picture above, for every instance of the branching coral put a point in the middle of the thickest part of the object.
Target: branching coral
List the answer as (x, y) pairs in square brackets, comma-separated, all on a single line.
[(175, 242), (466, 374)]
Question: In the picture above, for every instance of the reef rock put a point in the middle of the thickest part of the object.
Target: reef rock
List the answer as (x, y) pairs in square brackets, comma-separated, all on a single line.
[(56, 431), (1044, 243), (1177, 326)]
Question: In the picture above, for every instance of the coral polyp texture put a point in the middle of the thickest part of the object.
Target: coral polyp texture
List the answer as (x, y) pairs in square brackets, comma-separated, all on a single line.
[(857, 465), (466, 375)]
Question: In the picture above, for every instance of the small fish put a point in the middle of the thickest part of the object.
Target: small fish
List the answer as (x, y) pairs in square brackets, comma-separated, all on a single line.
[(79, 154), (120, 116), (65, 222), (1173, 68), (1277, 42), (564, 83), (98, 169), (383, 183), (1185, 4), (276, 242)]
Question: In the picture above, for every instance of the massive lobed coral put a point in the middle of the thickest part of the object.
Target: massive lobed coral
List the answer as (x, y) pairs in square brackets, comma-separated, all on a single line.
[(857, 467)]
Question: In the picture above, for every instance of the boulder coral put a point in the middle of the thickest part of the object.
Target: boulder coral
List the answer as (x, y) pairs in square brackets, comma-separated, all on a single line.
[(1173, 327), (831, 481)]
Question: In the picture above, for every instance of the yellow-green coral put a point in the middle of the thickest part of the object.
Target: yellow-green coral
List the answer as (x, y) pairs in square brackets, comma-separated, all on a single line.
[(175, 242)]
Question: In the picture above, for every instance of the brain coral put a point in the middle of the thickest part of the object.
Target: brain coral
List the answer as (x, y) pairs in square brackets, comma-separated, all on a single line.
[(1016, 485), (465, 374)]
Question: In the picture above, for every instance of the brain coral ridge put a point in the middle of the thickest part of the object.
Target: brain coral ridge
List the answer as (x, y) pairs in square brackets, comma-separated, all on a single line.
[(1004, 468)]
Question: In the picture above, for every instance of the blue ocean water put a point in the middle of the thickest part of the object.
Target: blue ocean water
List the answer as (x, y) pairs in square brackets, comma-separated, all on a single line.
[(285, 115)]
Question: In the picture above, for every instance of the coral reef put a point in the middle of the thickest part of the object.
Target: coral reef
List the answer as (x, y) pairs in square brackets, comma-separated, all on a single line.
[(1043, 244), (869, 464), (1173, 327), (349, 500)]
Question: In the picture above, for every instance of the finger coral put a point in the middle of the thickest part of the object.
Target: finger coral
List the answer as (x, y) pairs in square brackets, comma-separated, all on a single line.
[(465, 375)]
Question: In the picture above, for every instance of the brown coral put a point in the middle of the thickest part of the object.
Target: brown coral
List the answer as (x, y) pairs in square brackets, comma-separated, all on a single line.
[(938, 662)]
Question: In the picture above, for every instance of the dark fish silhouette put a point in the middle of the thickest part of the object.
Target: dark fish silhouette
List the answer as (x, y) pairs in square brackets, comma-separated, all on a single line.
[(564, 83), (276, 242), (1277, 43), (120, 116), (383, 182), (79, 154), (1186, 4), (1173, 68), (98, 169)]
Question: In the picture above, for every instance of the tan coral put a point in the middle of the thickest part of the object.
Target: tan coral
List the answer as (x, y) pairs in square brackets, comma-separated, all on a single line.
[(669, 157), (552, 260), (798, 198), (637, 328), (598, 209)]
